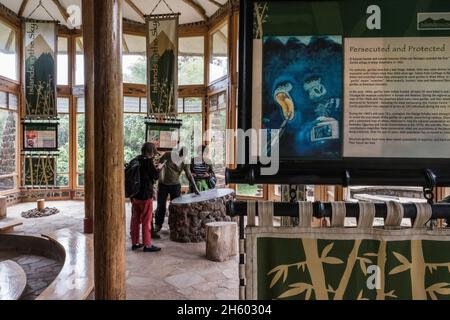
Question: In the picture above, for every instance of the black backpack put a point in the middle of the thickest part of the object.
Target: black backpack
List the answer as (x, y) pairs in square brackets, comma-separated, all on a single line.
[(132, 178)]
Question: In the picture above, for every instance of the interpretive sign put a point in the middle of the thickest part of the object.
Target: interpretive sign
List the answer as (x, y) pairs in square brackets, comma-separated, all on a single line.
[(347, 80)]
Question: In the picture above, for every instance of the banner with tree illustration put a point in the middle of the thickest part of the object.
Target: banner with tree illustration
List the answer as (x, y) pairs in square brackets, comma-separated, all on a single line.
[(162, 62), (40, 69), (336, 264)]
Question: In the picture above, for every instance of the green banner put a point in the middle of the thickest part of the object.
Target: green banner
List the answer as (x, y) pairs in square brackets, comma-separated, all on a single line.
[(349, 264), (40, 69), (162, 55)]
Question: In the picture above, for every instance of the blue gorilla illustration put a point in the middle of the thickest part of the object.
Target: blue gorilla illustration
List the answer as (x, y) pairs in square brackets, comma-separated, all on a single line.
[(302, 94)]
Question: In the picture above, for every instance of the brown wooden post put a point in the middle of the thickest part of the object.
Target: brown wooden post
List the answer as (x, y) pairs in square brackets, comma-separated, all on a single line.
[(109, 204), (89, 157)]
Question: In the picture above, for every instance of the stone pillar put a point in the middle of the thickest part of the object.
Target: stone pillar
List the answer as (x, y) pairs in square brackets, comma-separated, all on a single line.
[(109, 201), (89, 142)]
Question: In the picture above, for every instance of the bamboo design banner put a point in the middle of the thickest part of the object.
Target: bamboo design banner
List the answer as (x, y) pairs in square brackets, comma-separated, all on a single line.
[(40, 68), (336, 264), (162, 55), (40, 171)]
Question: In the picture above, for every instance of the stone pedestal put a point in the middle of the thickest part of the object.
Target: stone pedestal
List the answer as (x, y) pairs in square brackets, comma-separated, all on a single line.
[(2, 207), (189, 214)]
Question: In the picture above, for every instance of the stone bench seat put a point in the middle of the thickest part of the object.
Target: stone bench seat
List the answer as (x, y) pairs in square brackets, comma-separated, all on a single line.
[(76, 278), (13, 280)]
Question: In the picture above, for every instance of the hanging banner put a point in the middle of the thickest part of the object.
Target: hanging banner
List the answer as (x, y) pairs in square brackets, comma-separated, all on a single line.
[(162, 64), (346, 264), (40, 69), (40, 171)]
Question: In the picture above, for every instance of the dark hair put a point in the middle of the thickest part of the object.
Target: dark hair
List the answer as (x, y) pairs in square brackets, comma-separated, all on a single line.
[(149, 148)]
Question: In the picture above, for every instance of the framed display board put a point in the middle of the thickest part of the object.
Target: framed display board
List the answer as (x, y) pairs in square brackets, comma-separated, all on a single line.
[(165, 136), (358, 90), (40, 136), (39, 170)]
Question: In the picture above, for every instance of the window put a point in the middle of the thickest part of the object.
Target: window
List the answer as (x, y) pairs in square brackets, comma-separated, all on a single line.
[(247, 190), (80, 141), (135, 110), (63, 61), (63, 163), (8, 141), (134, 61), (191, 61), (217, 125), (79, 62), (8, 52), (218, 64), (190, 112)]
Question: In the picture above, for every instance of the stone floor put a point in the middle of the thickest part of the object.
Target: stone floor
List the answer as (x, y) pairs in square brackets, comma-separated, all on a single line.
[(179, 271)]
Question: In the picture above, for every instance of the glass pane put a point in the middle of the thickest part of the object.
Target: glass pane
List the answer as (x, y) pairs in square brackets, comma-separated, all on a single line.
[(191, 61), (213, 103), (221, 101), (191, 132), (247, 190), (131, 104), (80, 143), (134, 62), (63, 61), (80, 180), (180, 105), (218, 65), (79, 62), (190, 136), (3, 100), (144, 105), (13, 102), (8, 183), (62, 178), (63, 105), (80, 105), (217, 127), (193, 105), (134, 129), (8, 131), (8, 54)]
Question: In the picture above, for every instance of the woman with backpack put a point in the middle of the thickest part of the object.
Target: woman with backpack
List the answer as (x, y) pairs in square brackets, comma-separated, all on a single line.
[(142, 201)]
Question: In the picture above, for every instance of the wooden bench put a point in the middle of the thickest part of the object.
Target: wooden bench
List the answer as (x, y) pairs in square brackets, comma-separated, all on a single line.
[(76, 279), (7, 225), (13, 280)]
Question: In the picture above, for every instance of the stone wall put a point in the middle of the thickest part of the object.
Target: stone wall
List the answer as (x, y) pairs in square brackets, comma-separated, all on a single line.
[(8, 152)]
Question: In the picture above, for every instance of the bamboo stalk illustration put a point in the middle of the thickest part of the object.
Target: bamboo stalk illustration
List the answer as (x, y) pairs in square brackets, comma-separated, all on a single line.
[(315, 268), (382, 266), (348, 271), (417, 271)]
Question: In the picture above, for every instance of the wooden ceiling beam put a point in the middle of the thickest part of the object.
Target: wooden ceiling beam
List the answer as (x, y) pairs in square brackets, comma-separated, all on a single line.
[(216, 3), (198, 8), (62, 10), (22, 8), (136, 9)]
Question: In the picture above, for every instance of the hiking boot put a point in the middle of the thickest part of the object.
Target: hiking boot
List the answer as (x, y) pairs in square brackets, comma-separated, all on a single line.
[(152, 249)]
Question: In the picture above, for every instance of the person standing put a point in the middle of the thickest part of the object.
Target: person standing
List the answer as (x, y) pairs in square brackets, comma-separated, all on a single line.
[(172, 164), (142, 202), (202, 171)]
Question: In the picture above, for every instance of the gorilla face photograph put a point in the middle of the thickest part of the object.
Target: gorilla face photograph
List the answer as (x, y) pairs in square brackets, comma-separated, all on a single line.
[(302, 94)]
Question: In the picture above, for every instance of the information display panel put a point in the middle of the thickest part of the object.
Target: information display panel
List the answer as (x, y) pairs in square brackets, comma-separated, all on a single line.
[(351, 85)]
